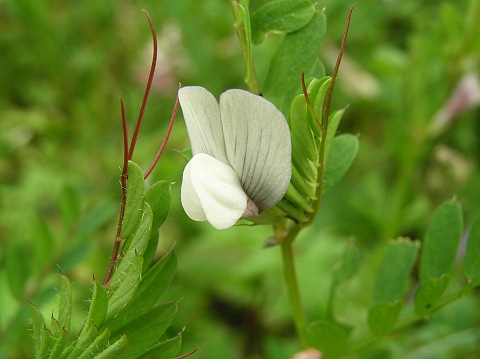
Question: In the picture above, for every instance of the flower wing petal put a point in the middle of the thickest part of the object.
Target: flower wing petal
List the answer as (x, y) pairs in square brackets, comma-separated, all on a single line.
[(212, 191), (258, 145), (204, 125)]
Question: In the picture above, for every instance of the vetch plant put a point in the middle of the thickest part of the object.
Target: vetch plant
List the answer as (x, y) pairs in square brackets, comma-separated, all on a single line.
[(241, 162)]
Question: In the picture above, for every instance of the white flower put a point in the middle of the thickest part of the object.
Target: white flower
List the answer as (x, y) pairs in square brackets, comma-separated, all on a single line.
[(241, 161)]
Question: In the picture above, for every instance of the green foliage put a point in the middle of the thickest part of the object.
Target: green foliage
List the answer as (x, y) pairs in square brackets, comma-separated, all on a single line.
[(59, 157), (125, 320)]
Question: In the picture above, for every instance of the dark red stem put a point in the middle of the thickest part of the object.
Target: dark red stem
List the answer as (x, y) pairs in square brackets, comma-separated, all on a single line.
[(165, 140), (147, 89)]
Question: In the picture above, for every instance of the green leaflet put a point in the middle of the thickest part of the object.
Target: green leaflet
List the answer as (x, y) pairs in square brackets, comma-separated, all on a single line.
[(441, 240), (429, 293), (65, 304), (153, 284), (159, 197), (382, 317), (472, 255), (134, 247), (126, 289), (280, 16), (166, 349), (96, 346), (38, 323), (98, 307), (285, 72), (135, 202), (147, 330), (394, 273), (114, 350), (86, 337), (329, 337), (342, 153)]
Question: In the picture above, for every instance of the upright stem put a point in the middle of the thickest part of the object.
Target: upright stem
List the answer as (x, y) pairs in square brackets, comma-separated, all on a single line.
[(242, 28)]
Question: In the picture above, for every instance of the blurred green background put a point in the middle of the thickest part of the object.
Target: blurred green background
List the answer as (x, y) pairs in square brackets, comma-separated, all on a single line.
[(65, 64)]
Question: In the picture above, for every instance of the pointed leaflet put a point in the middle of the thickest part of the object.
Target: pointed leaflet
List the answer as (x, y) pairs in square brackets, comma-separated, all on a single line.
[(258, 145), (441, 240), (146, 331), (472, 255), (429, 293), (17, 268), (280, 16), (164, 350), (149, 292), (97, 345), (394, 272), (202, 117), (126, 289), (158, 197), (98, 306), (342, 153), (38, 323), (114, 350), (135, 246), (382, 317), (85, 338), (285, 72), (65, 304), (134, 205)]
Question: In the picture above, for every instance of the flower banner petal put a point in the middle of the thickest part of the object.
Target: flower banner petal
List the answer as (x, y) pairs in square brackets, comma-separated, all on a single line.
[(204, 125), (258, 145), (211, 190)]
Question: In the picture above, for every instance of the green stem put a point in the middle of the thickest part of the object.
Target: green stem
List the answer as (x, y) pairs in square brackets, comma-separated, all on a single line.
[(242, 28), (293, 290)]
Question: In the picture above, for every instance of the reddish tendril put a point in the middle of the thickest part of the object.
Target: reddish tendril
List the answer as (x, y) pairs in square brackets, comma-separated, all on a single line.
[(128, 151)]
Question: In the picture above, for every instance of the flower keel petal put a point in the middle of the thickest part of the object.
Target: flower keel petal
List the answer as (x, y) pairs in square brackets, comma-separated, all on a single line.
[(211, 190)]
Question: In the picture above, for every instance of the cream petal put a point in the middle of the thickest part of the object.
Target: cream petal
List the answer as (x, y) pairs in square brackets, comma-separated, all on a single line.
[(212, 191), (204, 125), (258, 145)]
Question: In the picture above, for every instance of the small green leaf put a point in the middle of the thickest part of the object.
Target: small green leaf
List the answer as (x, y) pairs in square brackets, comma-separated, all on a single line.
[(97, 346), (126, 289), (302, 135), (65, 304), (150, 251), (342, 153), (285, 72), (429, 293), (153, 284), (292, 211), (135, 202), (166, 349), (472, 255), (333, 122), (298, 200), (158, 197), (98, 307), (329, 337), (318, 89), (114, 350), (280, 16), (17, 268), (146, 331), (439, 246), (86, 337), (382, 317), (135, 246), (38, 323), (46, 344), (394, 272), (60, 345), (348, 265)]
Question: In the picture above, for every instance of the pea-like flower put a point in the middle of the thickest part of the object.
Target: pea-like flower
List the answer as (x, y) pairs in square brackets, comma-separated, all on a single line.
[(241, 161)]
